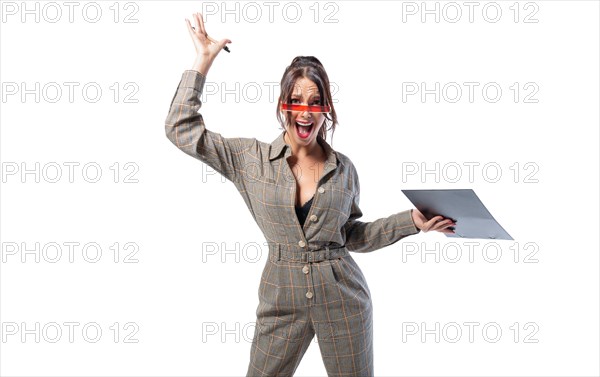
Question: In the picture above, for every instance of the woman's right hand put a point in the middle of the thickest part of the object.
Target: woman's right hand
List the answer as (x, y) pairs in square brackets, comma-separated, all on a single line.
[(206, 47)]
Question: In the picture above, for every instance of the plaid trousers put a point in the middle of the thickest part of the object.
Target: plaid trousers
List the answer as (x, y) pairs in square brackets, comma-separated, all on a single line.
[(310, 283), (306, 293)]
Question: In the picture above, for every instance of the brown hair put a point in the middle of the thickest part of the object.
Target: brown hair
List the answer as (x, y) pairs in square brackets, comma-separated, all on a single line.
[(311, 68)]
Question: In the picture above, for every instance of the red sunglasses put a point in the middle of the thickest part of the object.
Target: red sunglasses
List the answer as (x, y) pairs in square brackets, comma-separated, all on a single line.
[(312, 109)]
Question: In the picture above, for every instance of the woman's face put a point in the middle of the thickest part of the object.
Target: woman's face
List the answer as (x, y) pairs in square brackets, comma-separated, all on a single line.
[(305, 125)]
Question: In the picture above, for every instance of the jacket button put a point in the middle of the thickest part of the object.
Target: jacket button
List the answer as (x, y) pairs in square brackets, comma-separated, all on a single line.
[(305, 269), (313, 218), (302, 243), (309, 294), (321, 190)]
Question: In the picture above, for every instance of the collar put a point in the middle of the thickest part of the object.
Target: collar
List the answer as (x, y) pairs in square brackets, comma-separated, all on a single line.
[(279, 144)]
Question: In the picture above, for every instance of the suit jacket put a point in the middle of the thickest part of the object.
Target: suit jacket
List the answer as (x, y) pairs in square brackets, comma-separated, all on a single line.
[(263, 177)]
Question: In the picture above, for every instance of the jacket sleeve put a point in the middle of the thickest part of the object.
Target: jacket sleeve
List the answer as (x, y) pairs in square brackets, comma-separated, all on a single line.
[(364, 237), (185, 128)]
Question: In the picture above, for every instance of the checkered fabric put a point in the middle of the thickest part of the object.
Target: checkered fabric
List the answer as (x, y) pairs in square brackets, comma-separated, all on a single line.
[(310, 283)]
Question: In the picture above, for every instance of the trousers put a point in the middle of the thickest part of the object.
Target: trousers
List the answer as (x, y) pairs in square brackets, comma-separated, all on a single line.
[(303, 293)]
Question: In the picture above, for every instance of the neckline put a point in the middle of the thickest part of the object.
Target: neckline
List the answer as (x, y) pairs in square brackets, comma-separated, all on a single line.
[(304, 205)]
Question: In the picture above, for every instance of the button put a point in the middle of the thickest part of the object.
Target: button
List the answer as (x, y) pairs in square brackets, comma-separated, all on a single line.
[(302, 243), (305, 269), (309, 294), (321, 190), (313, 218)]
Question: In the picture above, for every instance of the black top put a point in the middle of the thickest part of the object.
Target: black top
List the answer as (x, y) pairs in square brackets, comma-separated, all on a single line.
[(302, 212)]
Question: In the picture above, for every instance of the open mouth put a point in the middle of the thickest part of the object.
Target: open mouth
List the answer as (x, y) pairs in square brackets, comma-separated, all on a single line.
[(303, 130)]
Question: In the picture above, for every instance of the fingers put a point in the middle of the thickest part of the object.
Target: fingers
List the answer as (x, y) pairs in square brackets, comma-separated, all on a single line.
[(212, 40), (438, 223), (190, 27), (430, 223), (448, 231), (200, 32), (200, 23), (443, 224), (222, 41)]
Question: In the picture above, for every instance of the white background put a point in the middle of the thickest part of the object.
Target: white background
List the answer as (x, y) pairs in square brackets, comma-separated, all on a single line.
[(177, 207)]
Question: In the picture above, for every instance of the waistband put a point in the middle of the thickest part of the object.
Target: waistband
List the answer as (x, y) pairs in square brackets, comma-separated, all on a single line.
[(279, 251)]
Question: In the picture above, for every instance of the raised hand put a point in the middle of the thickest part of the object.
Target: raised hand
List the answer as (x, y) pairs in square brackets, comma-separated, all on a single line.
[(207, 48)]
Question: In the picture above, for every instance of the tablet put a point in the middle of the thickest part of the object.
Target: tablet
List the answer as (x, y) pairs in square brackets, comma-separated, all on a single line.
[(473, 220)]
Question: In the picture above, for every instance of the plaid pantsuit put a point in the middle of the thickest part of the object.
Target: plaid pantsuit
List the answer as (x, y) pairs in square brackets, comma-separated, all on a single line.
[(310, 283)]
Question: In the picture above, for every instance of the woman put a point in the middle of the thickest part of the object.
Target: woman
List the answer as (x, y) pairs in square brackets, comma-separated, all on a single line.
[(310, 283)]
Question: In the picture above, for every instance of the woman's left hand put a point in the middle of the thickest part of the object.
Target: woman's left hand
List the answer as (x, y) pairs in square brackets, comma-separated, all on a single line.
[(438, 223)]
